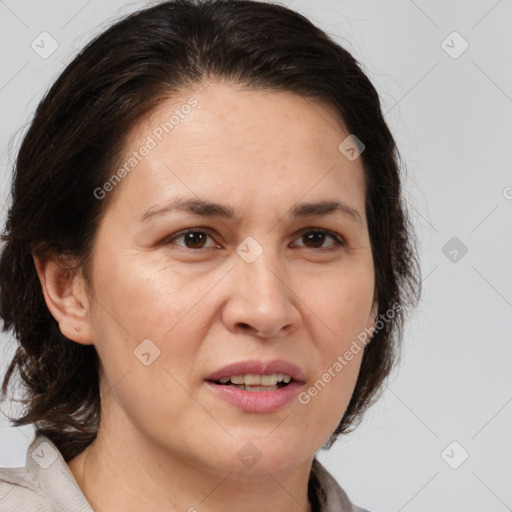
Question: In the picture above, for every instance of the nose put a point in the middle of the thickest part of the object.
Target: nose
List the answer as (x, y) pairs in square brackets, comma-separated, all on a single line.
[(262, 300)]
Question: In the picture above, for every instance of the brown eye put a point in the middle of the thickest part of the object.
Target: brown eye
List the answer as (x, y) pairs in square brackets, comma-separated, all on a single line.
[(315, 239), (192, 239)]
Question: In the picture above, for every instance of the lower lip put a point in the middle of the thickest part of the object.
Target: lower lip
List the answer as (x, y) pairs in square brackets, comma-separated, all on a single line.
[(257, 401)]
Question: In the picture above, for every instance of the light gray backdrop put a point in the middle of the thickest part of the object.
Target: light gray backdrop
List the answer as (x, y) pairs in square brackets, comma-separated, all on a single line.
[(439, 439)]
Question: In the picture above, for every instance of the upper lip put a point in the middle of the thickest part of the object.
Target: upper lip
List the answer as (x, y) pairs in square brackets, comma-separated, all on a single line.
[(256, 367)]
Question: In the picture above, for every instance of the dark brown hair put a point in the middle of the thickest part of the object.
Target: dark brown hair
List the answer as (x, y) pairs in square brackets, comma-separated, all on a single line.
[(76, 139)]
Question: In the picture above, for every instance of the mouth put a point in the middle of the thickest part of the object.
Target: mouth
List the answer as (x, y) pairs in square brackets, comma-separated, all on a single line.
[(255, 382), (257, 386)]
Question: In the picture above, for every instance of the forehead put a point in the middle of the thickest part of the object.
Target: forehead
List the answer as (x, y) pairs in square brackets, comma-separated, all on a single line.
[(230, 142)]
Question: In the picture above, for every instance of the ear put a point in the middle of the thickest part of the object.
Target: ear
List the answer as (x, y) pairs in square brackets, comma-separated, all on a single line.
[(66, 296)]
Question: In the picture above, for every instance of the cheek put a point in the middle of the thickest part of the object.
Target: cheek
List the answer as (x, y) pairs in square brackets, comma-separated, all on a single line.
[(341, 302), (141, 322), (147, 344), (143, 299), (340, 310)]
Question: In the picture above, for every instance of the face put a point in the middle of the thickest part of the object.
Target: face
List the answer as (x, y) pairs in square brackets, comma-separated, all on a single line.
[(260, 281)]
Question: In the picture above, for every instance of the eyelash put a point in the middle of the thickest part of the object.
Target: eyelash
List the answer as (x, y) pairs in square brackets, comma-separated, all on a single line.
[(340, 241)]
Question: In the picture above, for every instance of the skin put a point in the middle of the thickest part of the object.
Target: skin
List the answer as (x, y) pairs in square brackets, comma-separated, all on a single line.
[(166, 441)]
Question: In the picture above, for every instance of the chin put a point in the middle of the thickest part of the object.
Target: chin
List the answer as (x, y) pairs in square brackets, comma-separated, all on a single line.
[(253, 455)]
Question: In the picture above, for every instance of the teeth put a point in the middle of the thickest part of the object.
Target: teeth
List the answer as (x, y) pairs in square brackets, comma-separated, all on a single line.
[(260, 388), (251, 379)]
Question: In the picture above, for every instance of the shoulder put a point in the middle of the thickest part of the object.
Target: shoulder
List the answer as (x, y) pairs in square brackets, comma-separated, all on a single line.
[(45, 484), (19, 492)]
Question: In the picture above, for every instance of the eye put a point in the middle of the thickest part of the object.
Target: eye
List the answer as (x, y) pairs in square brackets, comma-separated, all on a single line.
[(192, 238), (316, 238)]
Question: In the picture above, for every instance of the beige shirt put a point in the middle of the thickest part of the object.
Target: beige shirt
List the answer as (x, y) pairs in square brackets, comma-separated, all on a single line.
[(46, 484)]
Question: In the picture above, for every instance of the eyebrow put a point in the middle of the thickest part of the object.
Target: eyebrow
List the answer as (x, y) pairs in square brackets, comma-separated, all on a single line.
[(203, 208)]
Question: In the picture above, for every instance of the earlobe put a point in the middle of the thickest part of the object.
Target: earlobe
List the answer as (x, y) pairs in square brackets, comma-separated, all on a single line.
[(66, 296)]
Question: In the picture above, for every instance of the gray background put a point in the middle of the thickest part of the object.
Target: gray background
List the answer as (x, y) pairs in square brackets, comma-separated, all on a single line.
[(451, 117)]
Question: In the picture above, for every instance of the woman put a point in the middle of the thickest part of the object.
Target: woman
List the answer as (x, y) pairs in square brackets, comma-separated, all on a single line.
[(207, 263)]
